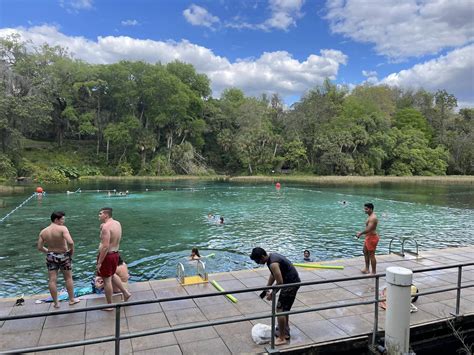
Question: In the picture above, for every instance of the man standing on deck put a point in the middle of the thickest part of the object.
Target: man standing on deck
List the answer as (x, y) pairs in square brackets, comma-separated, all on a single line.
[(59, 252), (108, 257), (371, 239), (283, 272)]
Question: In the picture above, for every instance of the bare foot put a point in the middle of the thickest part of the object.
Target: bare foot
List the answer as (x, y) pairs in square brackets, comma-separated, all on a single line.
[(364, 271), (107, 309), (279, 341), (56, 305), (74, 301), (127, 297)]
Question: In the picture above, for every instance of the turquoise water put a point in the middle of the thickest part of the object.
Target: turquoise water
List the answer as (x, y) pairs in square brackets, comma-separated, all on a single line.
[(161, 225)]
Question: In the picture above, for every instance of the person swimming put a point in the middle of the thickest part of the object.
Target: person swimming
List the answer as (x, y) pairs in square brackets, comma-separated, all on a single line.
[(194, 254), (221, 220), (307, 255)]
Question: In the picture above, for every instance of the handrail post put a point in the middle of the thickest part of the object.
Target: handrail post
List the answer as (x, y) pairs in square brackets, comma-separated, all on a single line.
[(458, 292), (272, 342), (117, 330), (376, 310)]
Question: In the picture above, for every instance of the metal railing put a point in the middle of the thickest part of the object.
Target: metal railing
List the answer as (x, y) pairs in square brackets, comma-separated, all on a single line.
[(273, 315)]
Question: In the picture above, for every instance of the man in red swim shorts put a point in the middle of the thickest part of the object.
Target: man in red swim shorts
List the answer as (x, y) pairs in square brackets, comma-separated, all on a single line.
[(108, 257), (371, 239)]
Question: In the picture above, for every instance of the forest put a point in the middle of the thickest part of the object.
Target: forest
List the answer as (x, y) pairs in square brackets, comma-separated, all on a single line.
[(62, 118)]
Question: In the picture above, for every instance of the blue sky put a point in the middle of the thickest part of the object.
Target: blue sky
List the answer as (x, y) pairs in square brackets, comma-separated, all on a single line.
[(283, 46)]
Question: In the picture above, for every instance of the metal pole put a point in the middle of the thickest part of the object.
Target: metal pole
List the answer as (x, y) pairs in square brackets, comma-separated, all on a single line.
[(117, 330), (376, 310), (273, 320), (458, 294), (397, 321)]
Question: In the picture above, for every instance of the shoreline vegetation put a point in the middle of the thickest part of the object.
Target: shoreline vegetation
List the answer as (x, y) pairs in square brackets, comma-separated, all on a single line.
[(71, 119), (305, 179)]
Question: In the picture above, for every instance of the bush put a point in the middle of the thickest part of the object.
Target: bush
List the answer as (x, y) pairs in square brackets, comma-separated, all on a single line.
[(51, 176), (161, 166), (7, 170), (124, 169)]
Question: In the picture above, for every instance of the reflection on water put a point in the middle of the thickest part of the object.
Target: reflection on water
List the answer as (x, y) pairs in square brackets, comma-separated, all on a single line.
[(163, 221)]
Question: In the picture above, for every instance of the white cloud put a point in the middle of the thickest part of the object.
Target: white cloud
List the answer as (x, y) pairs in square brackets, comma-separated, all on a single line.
[(404, 28), (76, 5), (371, 76), (271, 72), (199, 16), (368, 73), (283, 15), (129, 23), (453, 72)]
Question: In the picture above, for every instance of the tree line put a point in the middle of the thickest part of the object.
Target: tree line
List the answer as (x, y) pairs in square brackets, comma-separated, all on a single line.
[(137, 118)]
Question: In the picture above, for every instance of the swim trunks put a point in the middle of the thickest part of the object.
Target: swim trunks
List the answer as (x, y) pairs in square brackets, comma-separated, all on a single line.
[(58, 261), (109, 264), (371, 241), (287, 298)]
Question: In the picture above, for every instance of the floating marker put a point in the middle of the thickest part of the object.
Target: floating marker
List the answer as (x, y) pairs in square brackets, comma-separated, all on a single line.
[(219, 288), (318, 266)]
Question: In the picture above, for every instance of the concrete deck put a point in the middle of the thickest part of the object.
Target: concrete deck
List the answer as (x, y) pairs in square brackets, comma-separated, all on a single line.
[(306, 329)]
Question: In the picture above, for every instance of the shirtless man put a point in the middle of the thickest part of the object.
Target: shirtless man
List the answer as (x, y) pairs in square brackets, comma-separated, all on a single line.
[(108, 257), (371, 239), (59, 250)]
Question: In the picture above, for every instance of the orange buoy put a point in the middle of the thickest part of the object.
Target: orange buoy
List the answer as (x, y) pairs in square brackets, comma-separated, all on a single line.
[(39, 190)]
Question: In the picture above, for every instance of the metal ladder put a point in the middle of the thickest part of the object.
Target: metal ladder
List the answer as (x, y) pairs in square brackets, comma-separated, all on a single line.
[(200, 277), (403, 241)]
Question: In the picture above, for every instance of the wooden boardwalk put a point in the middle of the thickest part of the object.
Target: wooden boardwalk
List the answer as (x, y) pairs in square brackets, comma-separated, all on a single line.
[(306, 329)]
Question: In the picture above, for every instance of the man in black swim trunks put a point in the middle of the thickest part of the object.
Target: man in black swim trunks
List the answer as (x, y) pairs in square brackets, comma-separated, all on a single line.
[(59, 250), (283, 272)]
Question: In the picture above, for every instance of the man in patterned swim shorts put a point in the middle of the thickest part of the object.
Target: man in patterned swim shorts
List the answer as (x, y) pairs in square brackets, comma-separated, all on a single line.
[(371, 239), (59, 251)]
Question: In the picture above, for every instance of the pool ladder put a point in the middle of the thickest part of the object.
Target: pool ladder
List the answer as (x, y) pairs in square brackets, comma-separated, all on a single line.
[(200, 277), (403, 241)]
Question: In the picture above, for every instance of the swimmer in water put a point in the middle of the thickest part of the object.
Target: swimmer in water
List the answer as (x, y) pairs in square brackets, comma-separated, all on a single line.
[(221, 220), (194, 254), (307, 255)]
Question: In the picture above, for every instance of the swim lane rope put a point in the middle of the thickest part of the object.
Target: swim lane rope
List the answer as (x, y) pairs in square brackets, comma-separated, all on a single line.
[(17, 207)]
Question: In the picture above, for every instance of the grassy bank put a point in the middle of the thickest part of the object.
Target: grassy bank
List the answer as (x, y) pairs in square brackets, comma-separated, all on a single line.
[(358, 180), (309, 179), (156, 178)]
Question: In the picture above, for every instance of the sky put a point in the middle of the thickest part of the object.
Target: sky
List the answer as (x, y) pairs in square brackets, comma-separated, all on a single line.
[(267, 46)]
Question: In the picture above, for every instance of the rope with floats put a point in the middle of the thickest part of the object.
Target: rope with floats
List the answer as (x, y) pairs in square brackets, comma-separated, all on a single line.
[(18, 207)]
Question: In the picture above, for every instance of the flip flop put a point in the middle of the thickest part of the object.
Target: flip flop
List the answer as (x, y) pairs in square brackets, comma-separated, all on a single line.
[(76, 301)]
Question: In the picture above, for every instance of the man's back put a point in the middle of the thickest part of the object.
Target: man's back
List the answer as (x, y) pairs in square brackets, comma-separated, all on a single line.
[(288, 271), (53, 237), (115, 229)]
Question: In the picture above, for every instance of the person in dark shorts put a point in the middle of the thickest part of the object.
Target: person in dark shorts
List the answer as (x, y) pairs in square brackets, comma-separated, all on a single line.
[(56, 242), (282, 272)]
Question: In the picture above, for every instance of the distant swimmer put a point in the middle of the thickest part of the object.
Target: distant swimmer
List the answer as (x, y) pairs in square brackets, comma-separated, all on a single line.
[(343, 202), (371, 239), (221, 220), (194, 254)]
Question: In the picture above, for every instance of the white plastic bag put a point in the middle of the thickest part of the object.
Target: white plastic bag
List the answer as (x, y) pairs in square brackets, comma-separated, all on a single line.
[(261, 333)]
